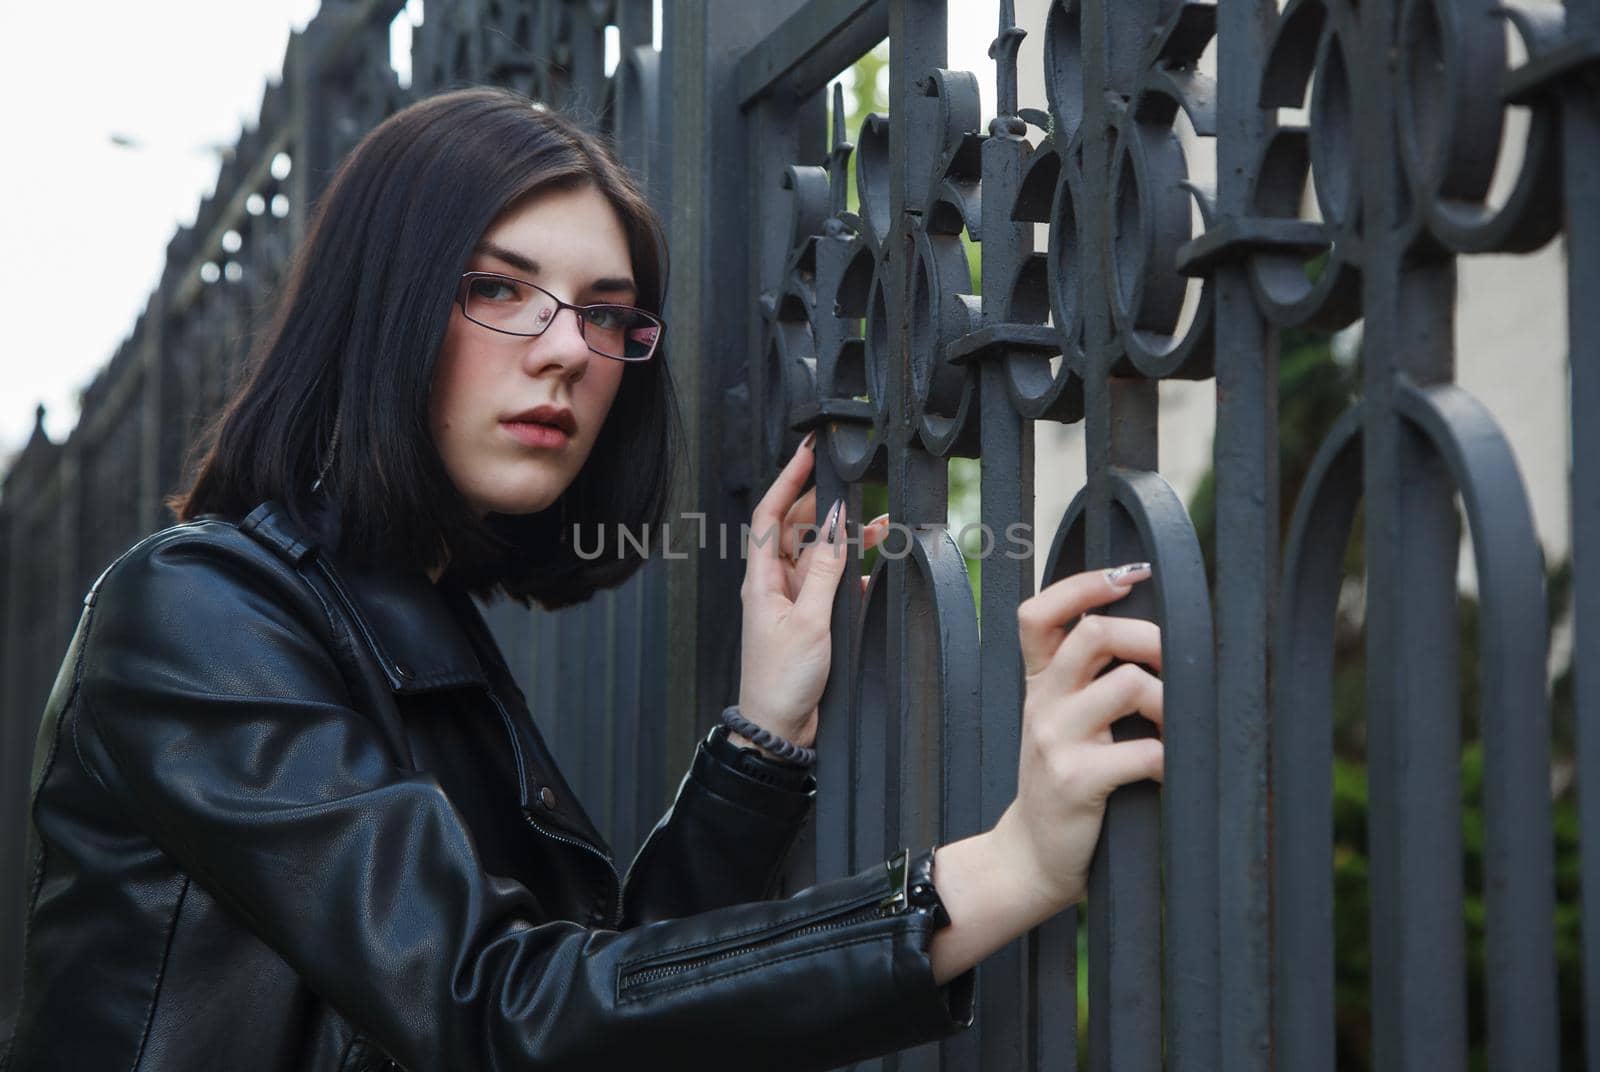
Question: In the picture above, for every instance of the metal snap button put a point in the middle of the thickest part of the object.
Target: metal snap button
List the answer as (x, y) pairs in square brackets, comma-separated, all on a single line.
[(402, 671), (547, 797)]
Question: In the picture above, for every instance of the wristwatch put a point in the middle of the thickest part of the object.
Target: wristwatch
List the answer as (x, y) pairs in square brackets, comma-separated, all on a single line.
[(911, 887), (766, 769)]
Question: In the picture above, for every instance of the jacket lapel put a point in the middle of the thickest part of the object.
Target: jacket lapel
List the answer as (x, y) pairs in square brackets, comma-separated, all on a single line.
[(411, 630), (404, 618)]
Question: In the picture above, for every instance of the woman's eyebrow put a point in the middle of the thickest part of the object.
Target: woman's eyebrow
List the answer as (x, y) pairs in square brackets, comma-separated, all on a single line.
[(613, 285), (510, 256), (604, 285)]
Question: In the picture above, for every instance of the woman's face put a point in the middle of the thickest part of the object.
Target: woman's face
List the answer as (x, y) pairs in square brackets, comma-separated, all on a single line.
[(571, 243)]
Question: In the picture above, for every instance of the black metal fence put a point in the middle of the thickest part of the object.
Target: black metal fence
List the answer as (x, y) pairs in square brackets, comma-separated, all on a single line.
[(796, 305)]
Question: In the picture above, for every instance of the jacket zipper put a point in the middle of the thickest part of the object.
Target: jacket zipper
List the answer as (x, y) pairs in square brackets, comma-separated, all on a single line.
[(527, 814), (616, 880), (875, 907)]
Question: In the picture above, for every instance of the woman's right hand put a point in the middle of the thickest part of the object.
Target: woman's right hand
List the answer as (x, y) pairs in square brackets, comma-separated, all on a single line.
[(1069, 763), (1035, 861)]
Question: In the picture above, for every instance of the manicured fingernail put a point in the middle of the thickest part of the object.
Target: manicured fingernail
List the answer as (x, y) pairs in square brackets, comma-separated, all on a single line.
[(809, 440), (1131, 573), (879, 520), (833, 518)]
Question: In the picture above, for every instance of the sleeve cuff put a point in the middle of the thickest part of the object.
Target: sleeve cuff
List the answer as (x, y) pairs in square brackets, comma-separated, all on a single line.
[(956, 1010), (933, 1011), (952, 1008)]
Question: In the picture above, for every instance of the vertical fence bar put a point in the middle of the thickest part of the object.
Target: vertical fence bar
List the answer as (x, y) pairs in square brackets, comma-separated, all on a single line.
[(1414, 819), (16, 736), (626, 642), (709, 184), (585, 41), (918, 488), (782, 129), (1580, 123), (76, 508), (639, 635), (13, 743), (152, 419), (1006, 483), (653, 780), (1125, 1000), (591, 710), (1302, 756), (1245, 460), (544, 648), (568, 712), (837, 742)]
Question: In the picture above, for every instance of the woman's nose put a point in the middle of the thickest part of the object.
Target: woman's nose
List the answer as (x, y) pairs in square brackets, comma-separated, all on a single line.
[(561, 345)]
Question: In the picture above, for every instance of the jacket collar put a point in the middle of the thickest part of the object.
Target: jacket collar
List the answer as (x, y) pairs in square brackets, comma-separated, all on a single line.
[(411, 625)]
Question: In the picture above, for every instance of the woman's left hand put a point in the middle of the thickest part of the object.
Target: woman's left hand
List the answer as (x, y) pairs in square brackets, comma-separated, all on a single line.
[(788, 603)]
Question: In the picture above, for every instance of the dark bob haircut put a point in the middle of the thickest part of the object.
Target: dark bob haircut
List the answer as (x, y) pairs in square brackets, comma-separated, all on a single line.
[(341, 376)]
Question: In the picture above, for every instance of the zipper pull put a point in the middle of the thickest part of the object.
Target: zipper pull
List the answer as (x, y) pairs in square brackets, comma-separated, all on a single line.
[(898, 902)]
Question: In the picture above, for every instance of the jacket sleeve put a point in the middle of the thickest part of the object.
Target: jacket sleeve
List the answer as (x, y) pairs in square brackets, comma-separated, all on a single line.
[(725, 838), (211, 707)]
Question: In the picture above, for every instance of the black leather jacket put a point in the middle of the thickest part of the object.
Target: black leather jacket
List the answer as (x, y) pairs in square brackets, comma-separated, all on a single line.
[(291, 815)]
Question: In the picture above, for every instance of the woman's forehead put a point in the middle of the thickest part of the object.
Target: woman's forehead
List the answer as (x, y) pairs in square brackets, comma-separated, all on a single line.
[(561, 231), (582, 209)]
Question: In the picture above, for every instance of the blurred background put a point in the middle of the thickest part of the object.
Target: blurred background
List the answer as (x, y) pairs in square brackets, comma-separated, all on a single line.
[(122, 115)]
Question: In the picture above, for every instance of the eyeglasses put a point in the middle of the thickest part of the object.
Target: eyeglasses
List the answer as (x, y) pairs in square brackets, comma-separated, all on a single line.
[(517, 307)]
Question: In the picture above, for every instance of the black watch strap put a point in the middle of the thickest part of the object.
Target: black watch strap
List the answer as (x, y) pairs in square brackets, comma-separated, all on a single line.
[(752, 763), (921, 889)]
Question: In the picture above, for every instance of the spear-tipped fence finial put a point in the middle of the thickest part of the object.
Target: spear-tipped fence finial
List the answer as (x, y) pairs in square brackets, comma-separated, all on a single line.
[(838, 156), (1003, 50)]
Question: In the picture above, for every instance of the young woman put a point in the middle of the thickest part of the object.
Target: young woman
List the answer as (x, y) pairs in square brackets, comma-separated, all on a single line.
[(290, 811)]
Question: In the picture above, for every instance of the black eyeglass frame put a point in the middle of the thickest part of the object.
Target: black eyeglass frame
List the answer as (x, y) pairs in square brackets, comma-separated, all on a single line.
[(461, 300)]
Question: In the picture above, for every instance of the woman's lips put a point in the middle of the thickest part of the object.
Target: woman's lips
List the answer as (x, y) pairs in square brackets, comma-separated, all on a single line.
[(533, 434)]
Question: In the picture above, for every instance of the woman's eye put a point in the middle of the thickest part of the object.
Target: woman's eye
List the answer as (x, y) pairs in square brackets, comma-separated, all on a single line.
[(608, 317), (494, 290)]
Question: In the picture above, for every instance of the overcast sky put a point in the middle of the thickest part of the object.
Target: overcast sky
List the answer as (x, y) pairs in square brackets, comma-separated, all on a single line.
[(85, 221)]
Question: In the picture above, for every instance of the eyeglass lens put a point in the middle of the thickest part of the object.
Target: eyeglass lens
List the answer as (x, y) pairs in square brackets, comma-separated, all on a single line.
[(618, 331)]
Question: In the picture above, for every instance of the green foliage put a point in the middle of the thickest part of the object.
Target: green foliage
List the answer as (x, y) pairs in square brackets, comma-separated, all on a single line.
[(863, 99), (966, 509), (1352, 955)]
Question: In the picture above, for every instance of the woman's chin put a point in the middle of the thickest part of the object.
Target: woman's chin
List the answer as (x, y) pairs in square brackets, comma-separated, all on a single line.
[(515, 505)]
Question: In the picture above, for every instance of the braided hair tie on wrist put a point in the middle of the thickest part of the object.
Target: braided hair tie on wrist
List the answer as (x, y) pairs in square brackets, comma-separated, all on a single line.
[(766, 739)]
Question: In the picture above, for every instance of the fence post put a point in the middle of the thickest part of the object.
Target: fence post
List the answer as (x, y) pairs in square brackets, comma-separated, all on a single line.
[(709, 184)]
